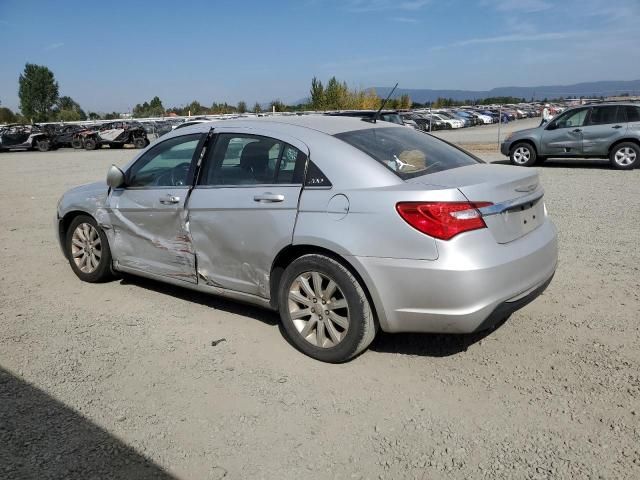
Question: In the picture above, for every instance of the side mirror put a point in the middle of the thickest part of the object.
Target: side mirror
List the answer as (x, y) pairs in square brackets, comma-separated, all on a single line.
[(552, 126), (115, 177)]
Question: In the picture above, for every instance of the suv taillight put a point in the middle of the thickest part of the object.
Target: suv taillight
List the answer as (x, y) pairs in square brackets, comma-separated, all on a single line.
[(443, 220)]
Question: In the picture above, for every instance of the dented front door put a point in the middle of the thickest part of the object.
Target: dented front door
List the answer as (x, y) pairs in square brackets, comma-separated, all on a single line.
[(150, 229)]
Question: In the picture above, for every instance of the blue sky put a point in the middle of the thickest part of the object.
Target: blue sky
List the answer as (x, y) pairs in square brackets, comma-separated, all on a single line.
[(111, 55)]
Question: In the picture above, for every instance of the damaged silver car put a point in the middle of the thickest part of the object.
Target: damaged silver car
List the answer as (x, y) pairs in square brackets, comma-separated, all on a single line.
[(344, 226)]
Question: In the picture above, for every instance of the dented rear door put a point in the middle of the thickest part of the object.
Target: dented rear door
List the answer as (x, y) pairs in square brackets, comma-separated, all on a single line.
[(243, 210), (148, 217)]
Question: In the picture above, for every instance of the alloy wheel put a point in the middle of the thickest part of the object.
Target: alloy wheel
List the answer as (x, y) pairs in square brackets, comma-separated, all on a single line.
[(318, 309), (86, 248), (521, 155), (625, 156)]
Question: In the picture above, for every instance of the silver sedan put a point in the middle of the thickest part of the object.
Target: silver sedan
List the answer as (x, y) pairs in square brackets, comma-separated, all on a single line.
[(344, 226)]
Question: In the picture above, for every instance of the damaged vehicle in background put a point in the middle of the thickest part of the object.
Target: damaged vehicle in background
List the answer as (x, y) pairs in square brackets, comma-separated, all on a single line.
[(25, 137), (114, 134), (344, 226)]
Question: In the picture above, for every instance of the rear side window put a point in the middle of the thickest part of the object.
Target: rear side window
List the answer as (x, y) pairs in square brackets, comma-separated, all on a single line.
[(239, 159), (407, 152), (633, 113), (605, 115)]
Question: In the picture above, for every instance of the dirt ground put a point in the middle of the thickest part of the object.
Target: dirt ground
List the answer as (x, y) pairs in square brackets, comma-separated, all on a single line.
[(121, 380)]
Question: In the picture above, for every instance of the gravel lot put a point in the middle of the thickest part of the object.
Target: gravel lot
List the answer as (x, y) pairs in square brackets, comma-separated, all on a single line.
[(121, 380)]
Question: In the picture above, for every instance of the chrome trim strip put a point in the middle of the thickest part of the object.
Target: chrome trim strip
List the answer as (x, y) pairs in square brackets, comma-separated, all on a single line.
[(509, 204)]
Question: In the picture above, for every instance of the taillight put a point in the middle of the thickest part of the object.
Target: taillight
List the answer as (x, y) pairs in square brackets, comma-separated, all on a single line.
[(443, 220)]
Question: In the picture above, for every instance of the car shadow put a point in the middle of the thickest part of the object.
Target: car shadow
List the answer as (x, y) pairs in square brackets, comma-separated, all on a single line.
[(43, 438), (597, 164), (421, 344), (208, 300), (428, 344)]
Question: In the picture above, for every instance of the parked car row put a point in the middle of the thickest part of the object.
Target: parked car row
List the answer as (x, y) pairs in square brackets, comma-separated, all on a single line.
[(115, 134)]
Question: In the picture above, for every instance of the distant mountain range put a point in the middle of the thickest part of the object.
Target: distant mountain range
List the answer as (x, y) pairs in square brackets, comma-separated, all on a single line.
[(587, 89)]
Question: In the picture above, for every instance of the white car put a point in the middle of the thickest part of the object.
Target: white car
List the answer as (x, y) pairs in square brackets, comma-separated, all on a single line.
[(453, 122)]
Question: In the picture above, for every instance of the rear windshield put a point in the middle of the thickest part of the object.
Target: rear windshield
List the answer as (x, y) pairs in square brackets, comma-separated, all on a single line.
[(407, 152)]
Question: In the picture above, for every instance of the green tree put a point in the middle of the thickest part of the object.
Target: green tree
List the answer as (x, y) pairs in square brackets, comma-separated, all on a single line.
[(68, 110), (277, 105), (317, 94), (405, 102), (257, 108), (332, 94), (242, 106), (93, 116), (195, 108), (7, 116), (38, 92)]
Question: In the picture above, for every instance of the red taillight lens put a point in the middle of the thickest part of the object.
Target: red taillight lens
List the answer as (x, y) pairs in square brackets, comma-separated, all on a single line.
[(443, 220)]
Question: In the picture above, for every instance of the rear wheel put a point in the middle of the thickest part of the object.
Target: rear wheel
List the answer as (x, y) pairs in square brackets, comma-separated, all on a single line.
[(139, 142), (624, 156), (43, 145), (522, 155), (88, 251), (324, 309), (76, 143), (90, 144)]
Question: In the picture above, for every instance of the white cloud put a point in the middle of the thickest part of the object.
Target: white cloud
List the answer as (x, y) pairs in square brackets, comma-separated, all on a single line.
[(528, 6), (53, 46), (405, 19), (515, 37), (362, 6)]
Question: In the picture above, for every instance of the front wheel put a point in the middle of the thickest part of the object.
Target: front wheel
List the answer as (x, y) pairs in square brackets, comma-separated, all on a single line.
[(90, 143), (324, 310), (139, 142), (76, 143), (624, 156), (88, 250), (43, 145), (522, 155)]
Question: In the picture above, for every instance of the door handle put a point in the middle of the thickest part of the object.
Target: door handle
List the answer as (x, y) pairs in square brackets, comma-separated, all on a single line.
[(617, 126), (269, 197), (169, 199), (577, 130)]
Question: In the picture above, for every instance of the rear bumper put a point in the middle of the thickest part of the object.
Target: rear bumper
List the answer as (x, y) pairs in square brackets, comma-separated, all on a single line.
[(473, 284)]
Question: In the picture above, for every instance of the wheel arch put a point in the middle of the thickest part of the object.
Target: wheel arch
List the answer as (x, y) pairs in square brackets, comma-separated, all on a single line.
[(623, 140), (65, 222), (523, 140), (289, 253)]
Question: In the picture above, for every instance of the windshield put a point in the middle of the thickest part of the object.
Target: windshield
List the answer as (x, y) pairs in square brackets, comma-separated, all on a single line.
[(407, 152)]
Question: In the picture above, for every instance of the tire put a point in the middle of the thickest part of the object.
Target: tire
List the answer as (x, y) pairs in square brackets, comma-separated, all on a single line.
[(90, 143), (339, 344), (77, 143), (523, 154), (43, 145), (79, 238), (625, 156), (139, 142)]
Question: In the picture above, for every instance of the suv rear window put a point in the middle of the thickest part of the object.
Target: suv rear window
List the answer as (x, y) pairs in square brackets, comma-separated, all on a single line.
[(407, 152)]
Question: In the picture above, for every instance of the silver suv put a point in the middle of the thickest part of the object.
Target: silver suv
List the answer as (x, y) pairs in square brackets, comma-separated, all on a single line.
[(591, 131)]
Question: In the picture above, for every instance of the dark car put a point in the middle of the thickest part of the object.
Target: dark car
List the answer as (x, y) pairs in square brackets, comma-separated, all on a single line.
[(63, 135), (24, 137), (592, 131)]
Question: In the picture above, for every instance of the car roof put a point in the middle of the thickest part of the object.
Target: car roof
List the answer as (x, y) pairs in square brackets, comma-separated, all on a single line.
[(328, 124)]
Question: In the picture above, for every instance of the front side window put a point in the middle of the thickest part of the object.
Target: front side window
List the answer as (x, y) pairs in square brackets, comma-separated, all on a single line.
[(605, 115), (571, 119), (239, 159), (407, 152), (168, 164)]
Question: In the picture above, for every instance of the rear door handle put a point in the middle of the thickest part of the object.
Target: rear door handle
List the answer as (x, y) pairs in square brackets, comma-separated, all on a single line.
[(269, 197), (617, 126), (169, 199), (577, 130)]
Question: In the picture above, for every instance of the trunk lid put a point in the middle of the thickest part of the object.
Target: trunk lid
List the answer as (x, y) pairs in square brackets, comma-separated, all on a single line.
[(515, 193)]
